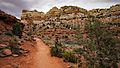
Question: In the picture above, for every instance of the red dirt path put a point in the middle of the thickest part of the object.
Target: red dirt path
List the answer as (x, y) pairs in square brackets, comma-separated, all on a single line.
[(38, 57), (43, 58)]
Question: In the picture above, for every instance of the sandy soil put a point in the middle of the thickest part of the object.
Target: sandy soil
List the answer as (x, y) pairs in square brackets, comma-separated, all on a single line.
[(38, 57)]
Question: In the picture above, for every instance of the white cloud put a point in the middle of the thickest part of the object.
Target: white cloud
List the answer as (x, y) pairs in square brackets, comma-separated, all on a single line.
[(7, 4)]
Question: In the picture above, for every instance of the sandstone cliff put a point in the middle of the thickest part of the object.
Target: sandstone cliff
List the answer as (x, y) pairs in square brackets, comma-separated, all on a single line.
[(108, 15), (8, 36), (74, 14), (70, 17)]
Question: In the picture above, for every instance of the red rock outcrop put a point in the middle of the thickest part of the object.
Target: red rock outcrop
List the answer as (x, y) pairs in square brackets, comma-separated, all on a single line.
[(7, 22)]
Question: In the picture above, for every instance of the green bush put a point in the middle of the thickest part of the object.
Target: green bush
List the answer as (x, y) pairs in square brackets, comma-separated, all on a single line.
[(17, 29), (15, 49), (57, 50), (9, 33), (69, 56), (54, 51)]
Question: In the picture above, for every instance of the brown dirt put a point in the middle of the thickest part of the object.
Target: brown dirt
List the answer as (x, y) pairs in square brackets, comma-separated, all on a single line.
[(43, 58), (38, 57)]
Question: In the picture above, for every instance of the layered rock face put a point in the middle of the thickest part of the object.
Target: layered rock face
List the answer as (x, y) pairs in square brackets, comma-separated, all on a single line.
[(70, 15), (66, 12), (7, 38), (73, 14), (29, 16), (66, 18), (6, 22), (109, 15)]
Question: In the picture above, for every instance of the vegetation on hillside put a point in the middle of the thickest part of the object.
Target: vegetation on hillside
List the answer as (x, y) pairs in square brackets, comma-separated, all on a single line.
[(107, 12), (100, 49), (95, 45)]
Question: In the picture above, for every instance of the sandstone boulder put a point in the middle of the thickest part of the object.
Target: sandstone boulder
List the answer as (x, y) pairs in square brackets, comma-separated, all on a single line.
[(3, 45), (7, 52)]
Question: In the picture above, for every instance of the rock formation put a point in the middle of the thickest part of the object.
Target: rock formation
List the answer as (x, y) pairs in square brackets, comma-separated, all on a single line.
[(57, 21), (7, 37), (71, 16), (108, 15)]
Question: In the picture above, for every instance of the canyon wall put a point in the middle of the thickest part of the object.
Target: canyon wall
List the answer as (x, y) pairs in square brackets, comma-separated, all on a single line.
[(8, 39), (67, 18)]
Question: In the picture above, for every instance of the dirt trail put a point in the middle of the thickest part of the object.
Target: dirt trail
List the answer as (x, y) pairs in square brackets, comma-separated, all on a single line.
[(38, 57), (43, 59)]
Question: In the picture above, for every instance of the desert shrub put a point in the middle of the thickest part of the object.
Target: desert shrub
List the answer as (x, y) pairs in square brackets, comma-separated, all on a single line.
[(17, 29), (54, 51), (58, 44), (69, 56), (15, 47), (9, 33), (101, 49), (57, 50), (46, 37)]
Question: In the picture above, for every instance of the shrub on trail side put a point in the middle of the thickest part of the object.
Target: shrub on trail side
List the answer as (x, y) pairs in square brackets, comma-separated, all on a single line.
[(17, 29), (58, 51)]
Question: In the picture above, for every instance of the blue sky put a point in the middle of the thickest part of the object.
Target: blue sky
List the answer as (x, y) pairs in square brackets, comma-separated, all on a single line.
[(15, 7)]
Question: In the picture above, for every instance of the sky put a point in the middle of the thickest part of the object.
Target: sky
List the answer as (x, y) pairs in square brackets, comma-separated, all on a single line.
[(15, 7)]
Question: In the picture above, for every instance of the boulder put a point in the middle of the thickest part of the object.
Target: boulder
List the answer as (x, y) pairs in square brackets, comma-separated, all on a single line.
[(3, 45), (7, 52), (15, 55)]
